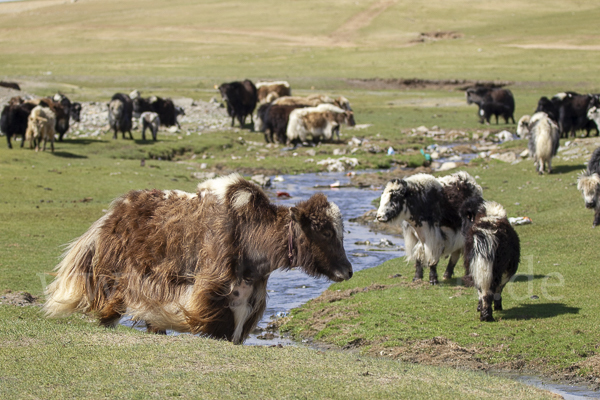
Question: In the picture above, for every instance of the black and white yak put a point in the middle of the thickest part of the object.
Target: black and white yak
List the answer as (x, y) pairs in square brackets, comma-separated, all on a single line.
[(544, 139), (428, 211), (195, 262), (588, 184), (492, 251), (150, 120)]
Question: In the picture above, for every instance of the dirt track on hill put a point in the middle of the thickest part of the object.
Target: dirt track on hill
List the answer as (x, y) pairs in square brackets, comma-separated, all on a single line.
[(360, 20)]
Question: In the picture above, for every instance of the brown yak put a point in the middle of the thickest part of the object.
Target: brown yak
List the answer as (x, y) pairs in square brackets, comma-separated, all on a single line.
[(195, 262)]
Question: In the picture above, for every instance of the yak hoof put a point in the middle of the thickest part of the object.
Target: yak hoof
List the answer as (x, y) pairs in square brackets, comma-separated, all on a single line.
[(446, 276), (415, 279), (433, 282), (468, 281), (486, 318)]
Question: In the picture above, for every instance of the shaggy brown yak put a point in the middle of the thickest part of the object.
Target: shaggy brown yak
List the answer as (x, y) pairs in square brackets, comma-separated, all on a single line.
[(195, 262)]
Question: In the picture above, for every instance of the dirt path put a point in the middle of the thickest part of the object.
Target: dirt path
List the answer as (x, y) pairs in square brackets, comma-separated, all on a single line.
[(20, 6), (360, 20)]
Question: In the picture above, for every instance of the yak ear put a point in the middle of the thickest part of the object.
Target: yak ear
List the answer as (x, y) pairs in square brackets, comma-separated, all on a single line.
[(404, 188), (299, 215)]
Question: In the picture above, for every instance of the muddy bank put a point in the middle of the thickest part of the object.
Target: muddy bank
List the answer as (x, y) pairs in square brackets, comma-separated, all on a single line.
[(416, 83)]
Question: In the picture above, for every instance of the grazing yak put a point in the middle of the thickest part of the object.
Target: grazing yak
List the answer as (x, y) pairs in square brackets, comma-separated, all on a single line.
[(272, 119), (492, 101), (314, 100), (196, 262), (72, 109), (322, 121), (569, 111), (588, 184), (428, 211), (165, 108), (240, 98), (492, 251), (544, 139), (10, 85), (14, 119), (266, 92), (150, 120), (120, 113), (40, 126)]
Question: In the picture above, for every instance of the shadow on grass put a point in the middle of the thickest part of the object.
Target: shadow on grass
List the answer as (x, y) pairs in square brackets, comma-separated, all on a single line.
[(83, 141), (526, 278), (565, 169), (145, 142), (545, 310), (66, 154)]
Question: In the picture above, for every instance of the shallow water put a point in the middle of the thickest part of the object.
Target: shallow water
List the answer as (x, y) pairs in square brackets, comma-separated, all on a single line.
[(290, 289)]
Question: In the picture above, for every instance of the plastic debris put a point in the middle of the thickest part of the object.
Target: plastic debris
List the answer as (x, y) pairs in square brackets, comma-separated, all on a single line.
[(520, 220), (390, 151), (426, 155), (285, 195)]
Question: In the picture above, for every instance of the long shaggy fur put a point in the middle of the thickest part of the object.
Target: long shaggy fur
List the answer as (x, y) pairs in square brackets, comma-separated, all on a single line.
[(322, 121), (195, 262), (428, 209), (40, 127), (543, 142), (492, 251), (588, 183)]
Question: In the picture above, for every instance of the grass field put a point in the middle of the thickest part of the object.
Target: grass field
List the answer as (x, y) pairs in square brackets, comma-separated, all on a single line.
[(90, 49)]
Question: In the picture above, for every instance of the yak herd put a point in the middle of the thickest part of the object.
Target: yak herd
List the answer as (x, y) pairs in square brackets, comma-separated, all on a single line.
[(199, 262)]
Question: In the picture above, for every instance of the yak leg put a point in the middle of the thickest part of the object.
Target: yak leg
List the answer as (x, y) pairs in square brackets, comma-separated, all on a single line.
[(152, 329), (596, 218), (111, 313), (130, 135), (451, 264), (418, 271), (8, 140), (241, 308), (433, 276), (486, 306)]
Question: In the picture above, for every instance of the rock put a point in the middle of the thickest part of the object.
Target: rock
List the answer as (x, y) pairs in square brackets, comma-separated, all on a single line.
[(448, 166), (354, 142), (507, 157), (311, 152), (339, 152), (524, 153), (204, 175), (505, 136), (262, 180)]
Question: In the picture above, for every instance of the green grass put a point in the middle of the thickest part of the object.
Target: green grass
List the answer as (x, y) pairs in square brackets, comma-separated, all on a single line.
[(554, 331), (91, 49), (72, 358)]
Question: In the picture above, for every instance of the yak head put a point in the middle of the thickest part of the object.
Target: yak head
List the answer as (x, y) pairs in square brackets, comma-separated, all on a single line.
[(593, 113), (589, 186), (318, 239), (477, 95), (392, 205)]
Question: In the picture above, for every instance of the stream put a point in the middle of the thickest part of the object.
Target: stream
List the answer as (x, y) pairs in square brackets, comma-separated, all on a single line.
[(290, 289)]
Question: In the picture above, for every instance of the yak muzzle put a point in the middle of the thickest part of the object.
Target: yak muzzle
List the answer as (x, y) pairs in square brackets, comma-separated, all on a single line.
[(590, 204)]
